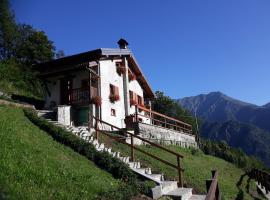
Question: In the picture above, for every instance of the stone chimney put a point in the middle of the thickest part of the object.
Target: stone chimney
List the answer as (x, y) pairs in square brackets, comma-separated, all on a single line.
[(123, 44)]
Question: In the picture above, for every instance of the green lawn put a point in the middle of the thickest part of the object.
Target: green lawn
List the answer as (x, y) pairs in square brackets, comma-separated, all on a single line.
[(34, 166), (233, 182)]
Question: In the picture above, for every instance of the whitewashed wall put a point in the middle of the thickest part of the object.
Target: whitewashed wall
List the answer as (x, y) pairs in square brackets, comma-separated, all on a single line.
[(109, 76), (136, 87)]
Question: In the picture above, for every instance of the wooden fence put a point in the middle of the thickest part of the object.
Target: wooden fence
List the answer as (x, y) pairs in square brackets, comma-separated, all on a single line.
[(159, 119)]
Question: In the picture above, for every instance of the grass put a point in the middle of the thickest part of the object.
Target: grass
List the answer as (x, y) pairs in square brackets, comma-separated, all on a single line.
[(233, 182), (34, 166)]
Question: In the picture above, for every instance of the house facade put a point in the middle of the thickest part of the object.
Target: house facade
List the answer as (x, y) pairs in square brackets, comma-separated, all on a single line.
[(107, 84)]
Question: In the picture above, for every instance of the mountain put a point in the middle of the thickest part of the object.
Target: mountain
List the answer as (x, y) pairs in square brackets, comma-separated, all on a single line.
[(267, 105), (218, 107), (251, 139), (240, 124)]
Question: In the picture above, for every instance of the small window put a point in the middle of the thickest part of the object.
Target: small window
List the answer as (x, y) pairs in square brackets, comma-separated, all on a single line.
[(132, 98), (113, 113), (140, 100), (114, 93)]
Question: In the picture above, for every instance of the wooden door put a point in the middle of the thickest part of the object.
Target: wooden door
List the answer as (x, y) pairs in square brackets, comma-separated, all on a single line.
[(65, 91)]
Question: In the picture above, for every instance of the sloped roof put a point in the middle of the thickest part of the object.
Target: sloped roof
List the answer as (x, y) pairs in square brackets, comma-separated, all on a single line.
[(75, 62)]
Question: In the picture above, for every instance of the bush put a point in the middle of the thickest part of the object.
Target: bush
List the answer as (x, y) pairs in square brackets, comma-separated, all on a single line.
[(130, 186)]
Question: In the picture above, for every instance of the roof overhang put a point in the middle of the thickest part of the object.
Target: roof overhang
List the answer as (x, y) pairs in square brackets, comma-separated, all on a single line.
[(80, 61)]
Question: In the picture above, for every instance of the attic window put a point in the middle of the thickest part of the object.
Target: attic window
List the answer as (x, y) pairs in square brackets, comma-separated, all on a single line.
[(120, 68)]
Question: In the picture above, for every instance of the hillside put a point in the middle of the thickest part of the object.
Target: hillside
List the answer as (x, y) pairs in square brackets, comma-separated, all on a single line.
[(240, 124), (34, 166), (251, 139), (218, 107), (233, 181)]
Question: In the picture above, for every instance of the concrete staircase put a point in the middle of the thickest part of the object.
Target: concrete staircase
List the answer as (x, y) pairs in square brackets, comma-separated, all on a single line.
[(164, 187)]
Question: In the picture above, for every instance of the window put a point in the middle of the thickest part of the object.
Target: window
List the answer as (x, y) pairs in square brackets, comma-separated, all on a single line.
[(140, 101), (113, 113), (114, 93), (132, 98), (120, 68)]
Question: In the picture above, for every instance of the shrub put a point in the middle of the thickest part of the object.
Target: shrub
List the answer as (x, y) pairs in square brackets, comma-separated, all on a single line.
[(130, 185), (114, 97), (96, 100)]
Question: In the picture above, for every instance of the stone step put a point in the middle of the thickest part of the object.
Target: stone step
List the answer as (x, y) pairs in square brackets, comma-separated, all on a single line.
[(197, 197), (162, 188), (124, 159), (116, 154), (158, 177), (134, 165), (109, 150), (184, 193), (139, 170)]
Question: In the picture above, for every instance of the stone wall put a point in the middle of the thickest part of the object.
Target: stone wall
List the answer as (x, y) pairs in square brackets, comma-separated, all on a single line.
[(165, 136)]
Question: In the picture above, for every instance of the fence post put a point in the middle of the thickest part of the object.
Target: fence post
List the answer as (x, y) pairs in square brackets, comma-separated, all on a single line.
[(96, 127), (132, 149), (136, 113), (180, 181)]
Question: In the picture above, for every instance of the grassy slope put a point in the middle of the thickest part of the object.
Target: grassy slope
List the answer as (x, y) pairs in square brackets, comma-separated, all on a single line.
[(34, 166), (198, 168)]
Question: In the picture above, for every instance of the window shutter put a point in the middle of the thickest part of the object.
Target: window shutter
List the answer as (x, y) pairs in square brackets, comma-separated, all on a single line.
[(135, 97), (142, 101), (116, 90)]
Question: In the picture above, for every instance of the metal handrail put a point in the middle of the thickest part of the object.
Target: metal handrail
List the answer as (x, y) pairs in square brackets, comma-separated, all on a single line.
[(133, 147)]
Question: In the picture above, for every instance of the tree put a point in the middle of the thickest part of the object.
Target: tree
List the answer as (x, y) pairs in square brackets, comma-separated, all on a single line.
[(59, 54), (167, 106), (8, 31), (33, 46)]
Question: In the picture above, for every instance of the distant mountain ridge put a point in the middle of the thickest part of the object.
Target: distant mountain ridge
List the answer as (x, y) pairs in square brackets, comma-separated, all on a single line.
[(251, 139), (240, 124), (218, 107)]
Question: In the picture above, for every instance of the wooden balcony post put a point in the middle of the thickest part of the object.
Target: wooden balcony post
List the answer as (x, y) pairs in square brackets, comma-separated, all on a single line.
[(96, 127), (180, 177), (132, 149), (136, 113)]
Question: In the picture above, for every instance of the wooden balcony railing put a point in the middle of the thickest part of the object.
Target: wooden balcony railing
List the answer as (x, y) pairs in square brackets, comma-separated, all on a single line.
[(80, 96), (159, 119), (176, 165), (212, 187)]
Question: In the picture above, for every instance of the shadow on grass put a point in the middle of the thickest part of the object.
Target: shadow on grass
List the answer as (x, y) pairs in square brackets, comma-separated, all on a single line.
[(253, 194)]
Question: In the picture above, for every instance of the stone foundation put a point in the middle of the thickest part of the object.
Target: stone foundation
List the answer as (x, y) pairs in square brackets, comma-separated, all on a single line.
[(165, 136)]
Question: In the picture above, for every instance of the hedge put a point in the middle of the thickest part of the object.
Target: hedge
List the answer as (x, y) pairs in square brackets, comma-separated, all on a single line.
[(130, 186)]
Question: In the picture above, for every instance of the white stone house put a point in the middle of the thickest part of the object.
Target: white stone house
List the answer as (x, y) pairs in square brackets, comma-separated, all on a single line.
[(108, 84)]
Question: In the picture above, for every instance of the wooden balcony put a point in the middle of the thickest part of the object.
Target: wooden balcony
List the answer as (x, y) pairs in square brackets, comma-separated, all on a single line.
[(80, 96)]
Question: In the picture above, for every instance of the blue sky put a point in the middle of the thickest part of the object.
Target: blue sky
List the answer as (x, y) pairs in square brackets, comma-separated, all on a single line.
[(185, 47)]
